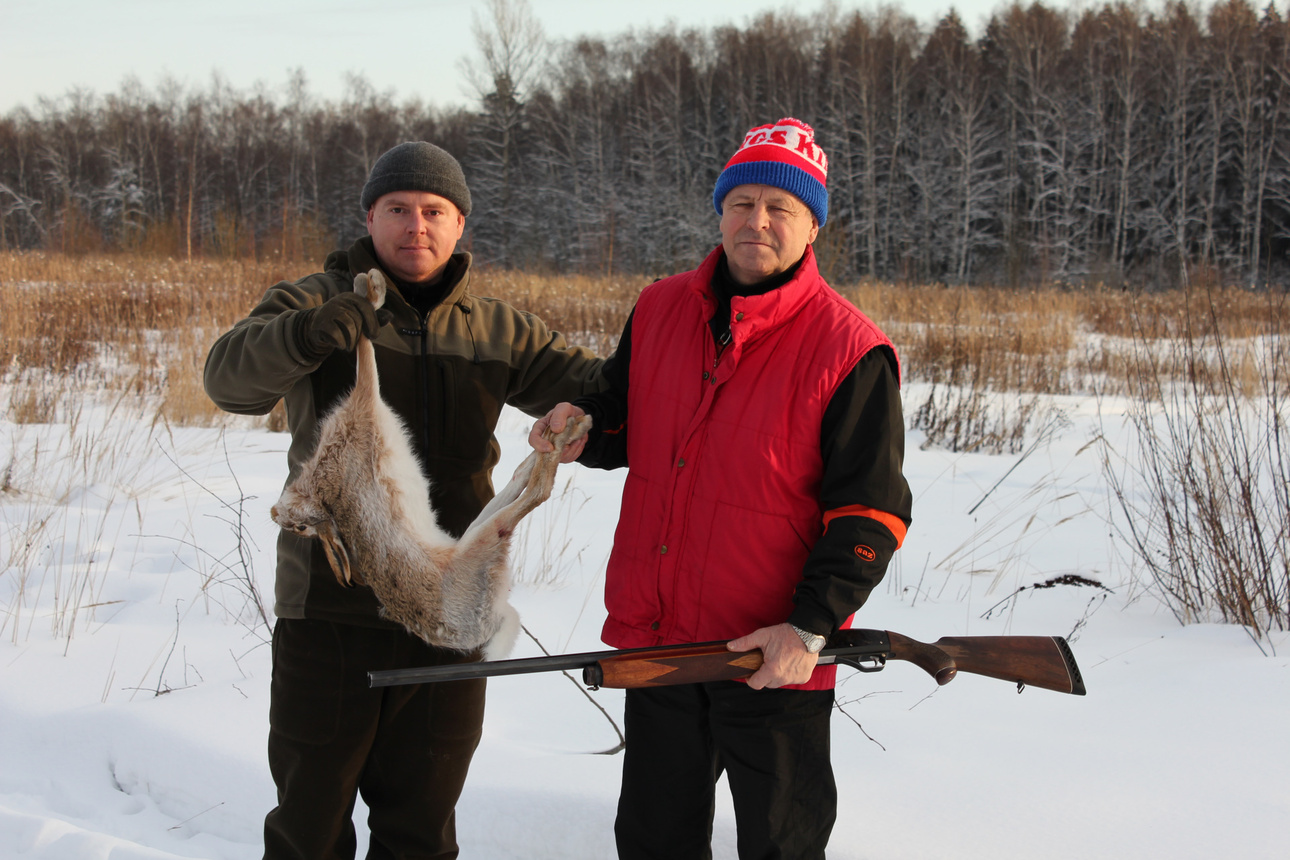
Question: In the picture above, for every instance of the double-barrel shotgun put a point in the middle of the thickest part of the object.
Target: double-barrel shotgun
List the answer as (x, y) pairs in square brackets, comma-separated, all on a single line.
[(1027, 661)]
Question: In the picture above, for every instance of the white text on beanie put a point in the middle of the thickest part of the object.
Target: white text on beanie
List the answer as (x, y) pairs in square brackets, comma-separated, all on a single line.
[(784, 155)]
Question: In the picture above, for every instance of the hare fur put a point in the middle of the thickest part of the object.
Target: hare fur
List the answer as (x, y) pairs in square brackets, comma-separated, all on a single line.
[(363, 495)]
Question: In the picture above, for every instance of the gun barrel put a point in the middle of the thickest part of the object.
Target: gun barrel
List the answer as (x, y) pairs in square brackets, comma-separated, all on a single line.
[(519, 666), (482, 669)]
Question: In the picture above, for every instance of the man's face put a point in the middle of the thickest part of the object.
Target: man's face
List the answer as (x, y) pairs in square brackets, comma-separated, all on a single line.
[(764, 230), (414, 233)]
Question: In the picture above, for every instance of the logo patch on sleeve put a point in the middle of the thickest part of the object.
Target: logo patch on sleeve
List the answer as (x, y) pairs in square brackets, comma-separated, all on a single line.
[(865, 553)]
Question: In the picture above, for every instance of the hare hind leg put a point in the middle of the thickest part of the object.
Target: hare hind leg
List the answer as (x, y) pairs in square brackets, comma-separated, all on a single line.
[(531, 484), (480, 556), (541, 478), (507, 495)]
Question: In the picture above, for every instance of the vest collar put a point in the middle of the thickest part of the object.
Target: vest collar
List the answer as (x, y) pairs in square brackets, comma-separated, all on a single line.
[(765, 312)]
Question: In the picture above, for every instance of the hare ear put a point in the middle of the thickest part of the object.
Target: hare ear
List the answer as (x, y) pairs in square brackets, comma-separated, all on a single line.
[(337, 555)]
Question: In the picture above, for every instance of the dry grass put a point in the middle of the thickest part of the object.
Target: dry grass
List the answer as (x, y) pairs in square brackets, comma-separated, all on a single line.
[(136, 325), (1062, 341), (128, 325), (589, 311), (1204, 482), (979, 338)]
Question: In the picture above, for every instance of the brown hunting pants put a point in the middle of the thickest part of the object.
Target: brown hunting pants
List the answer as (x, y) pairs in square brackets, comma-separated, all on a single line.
[(404, 749)]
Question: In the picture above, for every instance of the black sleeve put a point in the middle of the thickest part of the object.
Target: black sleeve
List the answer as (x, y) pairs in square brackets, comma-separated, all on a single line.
[(866, 500), (607, 442)]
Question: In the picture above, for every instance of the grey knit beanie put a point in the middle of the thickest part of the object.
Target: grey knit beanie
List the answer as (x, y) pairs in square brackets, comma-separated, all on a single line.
[(417, 166)]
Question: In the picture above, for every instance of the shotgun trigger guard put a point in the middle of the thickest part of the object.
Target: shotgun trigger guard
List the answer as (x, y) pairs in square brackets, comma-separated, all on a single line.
[(875, 663)]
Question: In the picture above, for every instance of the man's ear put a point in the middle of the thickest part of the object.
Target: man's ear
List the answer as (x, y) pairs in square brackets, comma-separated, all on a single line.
[(371, 212)]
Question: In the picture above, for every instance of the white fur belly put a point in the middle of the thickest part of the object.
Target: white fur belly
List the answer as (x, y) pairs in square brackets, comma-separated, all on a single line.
[(403, 471)]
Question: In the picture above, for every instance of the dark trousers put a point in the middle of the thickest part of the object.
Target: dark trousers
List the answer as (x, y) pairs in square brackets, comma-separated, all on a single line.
[(773, 746), (405, 749)]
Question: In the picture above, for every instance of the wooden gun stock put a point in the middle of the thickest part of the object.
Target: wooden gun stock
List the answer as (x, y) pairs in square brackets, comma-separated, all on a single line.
[(1034, 661), (1031, 661)]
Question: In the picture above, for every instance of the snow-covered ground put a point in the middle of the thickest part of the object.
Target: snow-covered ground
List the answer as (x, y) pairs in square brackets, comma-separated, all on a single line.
[(134, 669)]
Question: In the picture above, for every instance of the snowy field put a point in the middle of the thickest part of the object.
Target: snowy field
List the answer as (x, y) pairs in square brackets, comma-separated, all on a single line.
[(134, 668)]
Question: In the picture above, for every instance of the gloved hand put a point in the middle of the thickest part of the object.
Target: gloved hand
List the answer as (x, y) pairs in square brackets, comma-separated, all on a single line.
[(337, 323)]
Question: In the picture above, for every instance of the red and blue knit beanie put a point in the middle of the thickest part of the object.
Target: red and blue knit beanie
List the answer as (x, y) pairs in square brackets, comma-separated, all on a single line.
[(783, 155)]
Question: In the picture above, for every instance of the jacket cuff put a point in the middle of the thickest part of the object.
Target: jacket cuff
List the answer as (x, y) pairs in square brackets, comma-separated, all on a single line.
[(813, 620)]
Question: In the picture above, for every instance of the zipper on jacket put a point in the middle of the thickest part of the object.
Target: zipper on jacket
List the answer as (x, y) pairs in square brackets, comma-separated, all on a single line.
[(423, 383), (425, 388), (722, 343)]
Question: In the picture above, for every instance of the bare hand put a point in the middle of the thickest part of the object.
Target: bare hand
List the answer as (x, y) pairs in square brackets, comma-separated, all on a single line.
[(552, 423), (785, 659)]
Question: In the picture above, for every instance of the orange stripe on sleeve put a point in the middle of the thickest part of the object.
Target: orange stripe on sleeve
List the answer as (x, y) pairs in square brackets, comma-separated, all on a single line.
[(893, 523)]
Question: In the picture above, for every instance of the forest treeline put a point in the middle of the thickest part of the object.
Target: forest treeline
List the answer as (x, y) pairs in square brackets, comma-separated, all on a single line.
[(1114, 144)]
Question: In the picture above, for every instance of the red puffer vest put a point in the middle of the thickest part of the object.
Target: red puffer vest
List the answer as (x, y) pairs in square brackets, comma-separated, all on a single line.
[(721, 505)]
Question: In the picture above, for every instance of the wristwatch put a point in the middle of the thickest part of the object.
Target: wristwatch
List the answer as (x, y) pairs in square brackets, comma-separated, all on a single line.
[(814, 642)]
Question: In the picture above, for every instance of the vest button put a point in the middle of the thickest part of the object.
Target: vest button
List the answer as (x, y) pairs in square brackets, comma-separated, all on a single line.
[(739, 317), (705, 374), (654, 626), (662, 550), (680, 462)]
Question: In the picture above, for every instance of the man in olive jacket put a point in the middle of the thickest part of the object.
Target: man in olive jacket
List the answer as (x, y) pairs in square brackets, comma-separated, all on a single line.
[(448, 361)]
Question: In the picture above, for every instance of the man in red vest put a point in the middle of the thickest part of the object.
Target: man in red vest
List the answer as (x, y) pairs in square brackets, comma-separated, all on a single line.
[(758, 413)]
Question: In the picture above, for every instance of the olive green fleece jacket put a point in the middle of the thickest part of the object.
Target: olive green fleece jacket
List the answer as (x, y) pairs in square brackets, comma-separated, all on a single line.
[(447, 375)]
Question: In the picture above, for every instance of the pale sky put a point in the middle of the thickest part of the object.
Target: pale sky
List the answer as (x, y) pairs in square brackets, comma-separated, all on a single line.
[(411, 49)]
